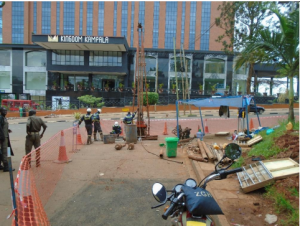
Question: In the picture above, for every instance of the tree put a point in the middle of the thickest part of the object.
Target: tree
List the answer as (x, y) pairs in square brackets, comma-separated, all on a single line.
[(282, 48), (241, 21), (91, 101)]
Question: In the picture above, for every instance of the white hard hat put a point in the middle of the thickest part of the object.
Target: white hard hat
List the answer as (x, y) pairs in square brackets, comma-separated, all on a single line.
[(89, 110), (116, 123), (99, 110)]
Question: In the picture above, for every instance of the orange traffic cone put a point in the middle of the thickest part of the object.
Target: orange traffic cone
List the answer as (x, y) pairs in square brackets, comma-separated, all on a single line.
[(251, 127), (79, 141), (62, 156), (165, 130), (121, 134), (206, 127)]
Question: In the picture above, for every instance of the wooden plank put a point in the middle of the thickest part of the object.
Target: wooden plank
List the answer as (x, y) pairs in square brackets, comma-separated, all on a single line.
[(254, 140)]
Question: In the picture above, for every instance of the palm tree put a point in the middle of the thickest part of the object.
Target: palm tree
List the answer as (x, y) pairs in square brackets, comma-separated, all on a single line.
[(281, 48)]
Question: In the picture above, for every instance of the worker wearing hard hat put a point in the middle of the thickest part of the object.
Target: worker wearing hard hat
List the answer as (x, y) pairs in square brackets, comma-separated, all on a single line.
[(116, 129), (97, 126), (88, 120)]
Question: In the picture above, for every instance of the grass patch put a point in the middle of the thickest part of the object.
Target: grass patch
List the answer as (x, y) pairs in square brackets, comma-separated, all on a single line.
[(239, 163), (294, 192), (266, 147), (283, 205)]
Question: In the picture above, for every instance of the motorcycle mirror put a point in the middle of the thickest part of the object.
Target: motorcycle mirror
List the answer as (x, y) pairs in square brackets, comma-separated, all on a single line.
[(233, 151), (159, 192)]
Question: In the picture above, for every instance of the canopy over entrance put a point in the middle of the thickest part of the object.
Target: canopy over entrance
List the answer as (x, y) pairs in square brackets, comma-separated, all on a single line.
[(232, 101)]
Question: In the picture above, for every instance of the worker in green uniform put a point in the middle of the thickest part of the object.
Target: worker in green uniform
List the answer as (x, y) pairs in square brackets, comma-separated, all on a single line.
[(4, 140), (33, 138), (88, 120)]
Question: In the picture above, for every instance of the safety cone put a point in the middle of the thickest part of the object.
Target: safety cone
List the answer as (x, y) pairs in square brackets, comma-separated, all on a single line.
[(165, 130), (251, 127), (121, 134), (79, 140), (62, 156), (206, 127)]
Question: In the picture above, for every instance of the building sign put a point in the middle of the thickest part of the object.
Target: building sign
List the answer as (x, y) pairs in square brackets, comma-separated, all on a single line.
[(78, 39)]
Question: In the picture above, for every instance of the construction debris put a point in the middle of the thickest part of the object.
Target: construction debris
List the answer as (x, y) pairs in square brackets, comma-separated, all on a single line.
[(183, 134), (130, 146), (250, 142), (51, 116), (222, 134)]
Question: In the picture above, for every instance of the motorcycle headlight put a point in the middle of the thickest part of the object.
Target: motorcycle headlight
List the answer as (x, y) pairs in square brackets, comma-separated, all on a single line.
[(191, 183)]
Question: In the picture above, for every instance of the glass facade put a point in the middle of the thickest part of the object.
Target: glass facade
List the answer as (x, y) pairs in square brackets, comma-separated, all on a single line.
[(205, 26), (192, 25), (178, 64), (89, 18), (4, 58), (142, 13), (101, 18), (182, 22), (115, 17), (80, 17), (57, 17), (4, 80), (105, 58), (34, 16), (1, 25), (35, 80), (46, 17), (35, 59), (171, 22), (132, 24), (69, 18), (124, 19), (155, 25), (17, 14), (215, 65), (67, 57)]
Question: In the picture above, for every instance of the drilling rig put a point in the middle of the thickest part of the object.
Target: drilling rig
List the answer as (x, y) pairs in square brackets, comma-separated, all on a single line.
[(140, 81)]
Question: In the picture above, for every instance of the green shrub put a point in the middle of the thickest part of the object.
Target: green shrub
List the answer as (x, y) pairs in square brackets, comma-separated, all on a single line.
[(91, 101), (152, 98), (283, 96)]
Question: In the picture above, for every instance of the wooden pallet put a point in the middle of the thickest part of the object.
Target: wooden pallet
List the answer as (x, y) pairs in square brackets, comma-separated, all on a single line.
[(254, 140)]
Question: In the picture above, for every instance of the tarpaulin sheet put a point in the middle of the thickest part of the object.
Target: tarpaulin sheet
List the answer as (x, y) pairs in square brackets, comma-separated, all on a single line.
[(217, 102)]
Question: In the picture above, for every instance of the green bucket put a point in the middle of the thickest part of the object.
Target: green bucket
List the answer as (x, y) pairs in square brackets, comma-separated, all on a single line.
[(171, 149)]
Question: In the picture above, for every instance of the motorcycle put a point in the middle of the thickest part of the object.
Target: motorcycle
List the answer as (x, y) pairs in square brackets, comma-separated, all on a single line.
[(190, 204)]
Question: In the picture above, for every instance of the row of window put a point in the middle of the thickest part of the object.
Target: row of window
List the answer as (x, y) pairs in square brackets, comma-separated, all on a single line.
[(105, 58), (69, 21)]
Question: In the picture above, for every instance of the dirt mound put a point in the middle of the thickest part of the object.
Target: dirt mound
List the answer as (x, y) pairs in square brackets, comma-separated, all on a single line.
[(290, 142)]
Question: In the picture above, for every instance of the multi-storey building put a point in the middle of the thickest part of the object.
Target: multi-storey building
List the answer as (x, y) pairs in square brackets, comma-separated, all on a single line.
[(73, 48)]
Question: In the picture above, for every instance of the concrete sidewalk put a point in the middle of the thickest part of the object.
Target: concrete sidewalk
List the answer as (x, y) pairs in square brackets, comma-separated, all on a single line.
[(153, 115)]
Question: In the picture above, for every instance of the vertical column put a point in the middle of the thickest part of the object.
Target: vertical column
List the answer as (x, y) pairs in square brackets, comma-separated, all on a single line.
[(53, 18), (108, 18), (149, 10), (6, 22), (77, 15), (39, 18), (187, 25), (198, 26), (129, 23), (119, 19), (162, 25), (26, 22), (95, 18), (136, 20), (84, 18), (215, 31), (178, 27), (61, 19)]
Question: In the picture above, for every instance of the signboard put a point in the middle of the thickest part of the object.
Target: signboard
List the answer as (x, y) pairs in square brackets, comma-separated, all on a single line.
[(78, 39), (60, 102)]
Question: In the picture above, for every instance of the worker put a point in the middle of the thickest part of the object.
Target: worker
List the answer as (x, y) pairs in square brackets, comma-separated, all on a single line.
[(97, 126), (129, 118), (116, 129), (88, 120), (4, 140), (33, 128)]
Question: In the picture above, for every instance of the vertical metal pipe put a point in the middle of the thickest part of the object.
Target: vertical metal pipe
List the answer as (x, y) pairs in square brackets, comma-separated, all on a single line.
[(13, 195), (203, 130), (177, 119)]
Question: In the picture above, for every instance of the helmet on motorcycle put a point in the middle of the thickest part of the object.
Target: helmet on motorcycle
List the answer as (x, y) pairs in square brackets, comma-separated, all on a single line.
[(99, 110), (116, 123), (89, 110)]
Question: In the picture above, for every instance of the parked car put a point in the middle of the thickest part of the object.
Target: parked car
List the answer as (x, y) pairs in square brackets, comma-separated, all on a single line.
[(260, 109)]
